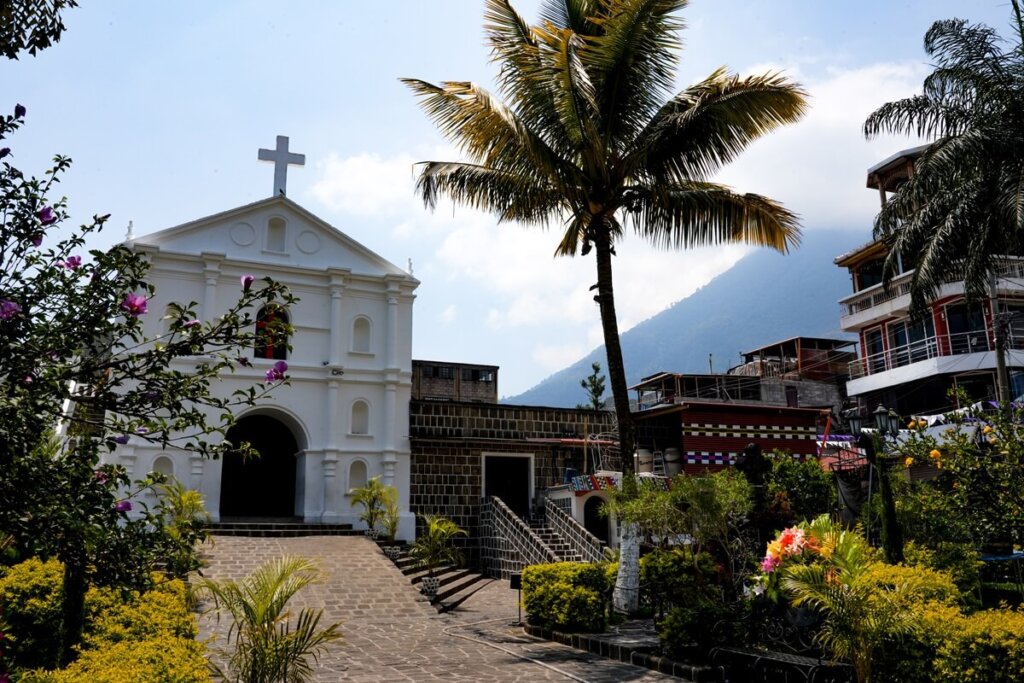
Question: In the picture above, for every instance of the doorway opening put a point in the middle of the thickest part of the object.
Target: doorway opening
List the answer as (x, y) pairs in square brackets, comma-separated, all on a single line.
[(262, 486)]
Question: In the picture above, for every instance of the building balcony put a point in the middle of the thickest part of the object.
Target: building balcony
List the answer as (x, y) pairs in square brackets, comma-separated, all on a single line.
[(878, 303), (938, 355)]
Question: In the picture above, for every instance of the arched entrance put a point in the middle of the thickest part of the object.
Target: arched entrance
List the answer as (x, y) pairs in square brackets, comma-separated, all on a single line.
[(593, 521), (261, 486)]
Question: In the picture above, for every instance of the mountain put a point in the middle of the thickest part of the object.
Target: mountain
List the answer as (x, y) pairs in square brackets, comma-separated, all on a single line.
[(764, 298)]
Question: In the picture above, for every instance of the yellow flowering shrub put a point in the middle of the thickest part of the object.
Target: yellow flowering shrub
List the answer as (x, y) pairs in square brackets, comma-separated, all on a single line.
[(155, 614), (30, 600), (988, 647), (568, 596), (168, 659)]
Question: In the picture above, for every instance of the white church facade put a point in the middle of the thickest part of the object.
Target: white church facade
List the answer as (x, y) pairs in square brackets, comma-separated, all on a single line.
[(345, 416)]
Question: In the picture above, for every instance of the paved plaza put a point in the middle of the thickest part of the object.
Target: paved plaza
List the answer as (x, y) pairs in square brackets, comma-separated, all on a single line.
[(393, 634)]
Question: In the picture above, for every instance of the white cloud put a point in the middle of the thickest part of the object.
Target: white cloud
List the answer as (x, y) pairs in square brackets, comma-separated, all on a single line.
[(553, 357), (449, 314), (365, 184)]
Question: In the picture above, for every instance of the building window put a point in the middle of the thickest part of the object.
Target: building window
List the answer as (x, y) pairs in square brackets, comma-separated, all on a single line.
[(444, 372), (361, 335), (357, 474), (271, 333), (360, 418), (276, 229), (874, 351), (477, 375)]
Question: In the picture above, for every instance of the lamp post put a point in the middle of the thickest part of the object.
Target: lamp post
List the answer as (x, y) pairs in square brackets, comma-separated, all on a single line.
[(887, 424)]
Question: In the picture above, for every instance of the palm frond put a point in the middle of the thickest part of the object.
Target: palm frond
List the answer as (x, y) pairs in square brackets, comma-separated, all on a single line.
[(576, 15), (632, 62), (510, 196), (707, 125), (693, 215)]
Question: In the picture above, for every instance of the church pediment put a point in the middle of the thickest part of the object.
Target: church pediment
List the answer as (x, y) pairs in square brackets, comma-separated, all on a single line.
[(274, 230)]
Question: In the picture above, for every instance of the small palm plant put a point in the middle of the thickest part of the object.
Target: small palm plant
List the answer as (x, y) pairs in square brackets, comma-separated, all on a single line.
[(434, 548), (858, 614), (374, 498), (268, 647)]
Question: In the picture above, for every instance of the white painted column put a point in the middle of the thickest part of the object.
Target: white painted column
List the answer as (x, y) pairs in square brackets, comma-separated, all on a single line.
[(337, 335), (391, 351), (331, 486), (333, 418), (211, 275)]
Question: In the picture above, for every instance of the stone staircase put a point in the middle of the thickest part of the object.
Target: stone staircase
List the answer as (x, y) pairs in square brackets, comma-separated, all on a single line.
[(554, 540), (278, 528), (455, 583)]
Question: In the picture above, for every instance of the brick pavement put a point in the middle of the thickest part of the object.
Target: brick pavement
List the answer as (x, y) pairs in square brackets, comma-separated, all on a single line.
[(392, 634)]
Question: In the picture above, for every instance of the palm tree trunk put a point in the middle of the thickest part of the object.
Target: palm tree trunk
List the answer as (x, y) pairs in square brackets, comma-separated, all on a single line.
[(627, 583)]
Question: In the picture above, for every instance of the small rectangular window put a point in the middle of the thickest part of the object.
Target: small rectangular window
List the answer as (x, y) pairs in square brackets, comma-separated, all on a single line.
[(444, 373)]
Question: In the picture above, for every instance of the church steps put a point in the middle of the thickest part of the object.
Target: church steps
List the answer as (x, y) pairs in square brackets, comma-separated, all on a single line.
[(280, 529)]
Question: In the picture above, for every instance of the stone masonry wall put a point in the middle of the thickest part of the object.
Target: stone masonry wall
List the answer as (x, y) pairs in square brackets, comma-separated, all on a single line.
[(448, 440)]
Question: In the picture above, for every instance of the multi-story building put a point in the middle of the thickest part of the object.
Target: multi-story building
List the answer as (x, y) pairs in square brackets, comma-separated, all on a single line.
[(909, 364)]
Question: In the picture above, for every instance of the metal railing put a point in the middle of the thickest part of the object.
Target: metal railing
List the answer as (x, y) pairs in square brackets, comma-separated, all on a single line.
[(924, 349), (1006, 268)]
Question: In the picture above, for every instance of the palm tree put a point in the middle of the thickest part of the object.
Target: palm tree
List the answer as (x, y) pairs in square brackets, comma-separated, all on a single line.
[(964, 204), (589, 138), (268, 647)]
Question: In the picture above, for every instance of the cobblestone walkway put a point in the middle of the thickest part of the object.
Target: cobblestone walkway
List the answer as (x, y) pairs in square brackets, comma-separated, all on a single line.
[(393, 634)]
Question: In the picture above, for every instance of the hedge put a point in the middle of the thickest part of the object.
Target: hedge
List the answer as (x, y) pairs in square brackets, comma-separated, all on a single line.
[(567, 596)]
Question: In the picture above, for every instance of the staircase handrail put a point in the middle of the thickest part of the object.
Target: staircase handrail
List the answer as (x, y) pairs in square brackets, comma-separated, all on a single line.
[(589, 546)]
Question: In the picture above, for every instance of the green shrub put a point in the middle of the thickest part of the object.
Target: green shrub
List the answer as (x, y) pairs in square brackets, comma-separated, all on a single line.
[(959, 560), (700, 622), (675, 576), (30, 601), (156, 614), (168, 659), (988, 647), (567, 596), (916, 584), (799, 488)]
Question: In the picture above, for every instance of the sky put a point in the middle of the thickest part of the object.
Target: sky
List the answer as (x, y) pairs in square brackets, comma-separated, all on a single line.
[(162, 106)]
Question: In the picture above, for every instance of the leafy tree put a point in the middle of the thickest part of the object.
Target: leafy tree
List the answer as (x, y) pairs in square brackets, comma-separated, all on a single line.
[(31, 25), (74, 360), (268, 646), (589, 138), (962, 207), (594, 386)]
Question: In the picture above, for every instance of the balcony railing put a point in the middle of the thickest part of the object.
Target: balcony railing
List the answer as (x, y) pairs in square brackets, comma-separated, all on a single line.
[(1007, 268), (941, 345)]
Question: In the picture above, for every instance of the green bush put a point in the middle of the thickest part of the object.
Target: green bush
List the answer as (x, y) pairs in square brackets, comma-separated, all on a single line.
[(567, 596), (675, 576), (128, 636), (799, 488), (700, 622), (959, 560), (30, 602)]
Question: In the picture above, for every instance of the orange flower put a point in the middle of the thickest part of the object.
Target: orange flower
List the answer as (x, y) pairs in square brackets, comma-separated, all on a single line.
[(908, 462), (935, 454)]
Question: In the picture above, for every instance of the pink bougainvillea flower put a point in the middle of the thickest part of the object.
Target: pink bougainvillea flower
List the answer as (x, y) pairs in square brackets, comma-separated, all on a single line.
[(247, 281), (8, 309), (135, 305), (46, 215), (276, 373), (123, 506), (770, 563), (19, 111), (72, 262)]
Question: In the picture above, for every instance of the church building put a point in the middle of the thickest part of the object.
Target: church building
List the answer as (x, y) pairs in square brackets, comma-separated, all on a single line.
[(345, 416)]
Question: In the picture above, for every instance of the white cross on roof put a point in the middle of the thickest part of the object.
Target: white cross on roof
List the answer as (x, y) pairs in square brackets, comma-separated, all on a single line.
[(282, 158)]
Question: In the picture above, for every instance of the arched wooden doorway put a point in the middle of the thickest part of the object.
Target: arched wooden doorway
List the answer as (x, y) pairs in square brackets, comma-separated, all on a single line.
[(261, 486), (592, 519)]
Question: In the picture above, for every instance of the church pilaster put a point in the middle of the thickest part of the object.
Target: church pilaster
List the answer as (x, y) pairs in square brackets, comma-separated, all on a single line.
[(337, 335), (391, 352), (330, 472), (332, 421), (211, 275)]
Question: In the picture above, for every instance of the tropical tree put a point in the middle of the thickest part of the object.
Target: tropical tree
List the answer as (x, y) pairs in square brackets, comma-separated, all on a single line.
[(589, 137), (434, 547), (963, 205), (594, 385), (268, 646)]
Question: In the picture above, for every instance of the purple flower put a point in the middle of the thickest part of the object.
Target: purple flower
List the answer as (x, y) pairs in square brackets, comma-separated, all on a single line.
[(190, 324), (123, 506), (276, 373), (8, 309), (4, 151), (46, 216), (135, 305), (244, 362), (36, 239), (142, 430), (19, 111), (122, 439), (27, 379), (72, 262), (101, 476), (247, 281)]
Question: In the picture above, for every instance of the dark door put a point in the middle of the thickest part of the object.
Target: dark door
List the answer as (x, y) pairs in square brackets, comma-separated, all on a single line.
[(592, 519), (261, 486), (508, 478)]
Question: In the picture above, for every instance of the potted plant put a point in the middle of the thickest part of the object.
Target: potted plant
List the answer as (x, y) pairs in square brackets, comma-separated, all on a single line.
[(372, 498), (389, 522), (434, 548)]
